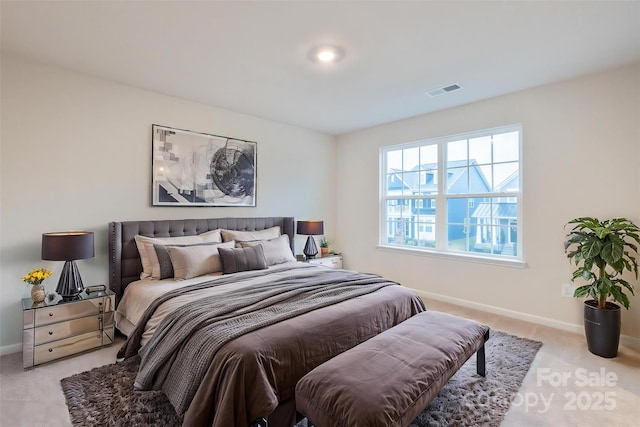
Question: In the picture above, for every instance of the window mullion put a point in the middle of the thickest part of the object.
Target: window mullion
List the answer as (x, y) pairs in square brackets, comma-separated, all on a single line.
[(384, 220), (441, 201)]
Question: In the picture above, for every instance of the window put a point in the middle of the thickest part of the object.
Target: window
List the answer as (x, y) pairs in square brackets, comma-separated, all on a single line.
[(460, 194)]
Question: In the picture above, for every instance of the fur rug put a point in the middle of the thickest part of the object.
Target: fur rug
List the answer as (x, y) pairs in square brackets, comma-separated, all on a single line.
[(104, 396)]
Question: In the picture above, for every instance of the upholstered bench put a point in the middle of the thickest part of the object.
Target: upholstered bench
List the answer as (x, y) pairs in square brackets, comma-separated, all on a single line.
[(389, 379)]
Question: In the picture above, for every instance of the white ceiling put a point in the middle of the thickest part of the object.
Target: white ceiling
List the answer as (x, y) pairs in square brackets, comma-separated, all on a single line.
[(251, 57)]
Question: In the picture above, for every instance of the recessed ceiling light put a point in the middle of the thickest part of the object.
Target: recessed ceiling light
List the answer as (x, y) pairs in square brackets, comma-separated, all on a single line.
[(326, 54)]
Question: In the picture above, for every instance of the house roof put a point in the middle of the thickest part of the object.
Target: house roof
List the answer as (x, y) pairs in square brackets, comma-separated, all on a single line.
[(411, 180), (496, 210)]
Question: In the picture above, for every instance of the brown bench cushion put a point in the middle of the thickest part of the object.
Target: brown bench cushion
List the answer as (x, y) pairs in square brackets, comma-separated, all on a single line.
[(391, 378)]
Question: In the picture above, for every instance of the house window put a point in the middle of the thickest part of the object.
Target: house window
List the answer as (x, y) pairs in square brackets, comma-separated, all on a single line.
[(460, 194)]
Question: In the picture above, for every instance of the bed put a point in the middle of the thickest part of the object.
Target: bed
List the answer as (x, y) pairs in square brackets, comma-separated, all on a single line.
[(251, 376)]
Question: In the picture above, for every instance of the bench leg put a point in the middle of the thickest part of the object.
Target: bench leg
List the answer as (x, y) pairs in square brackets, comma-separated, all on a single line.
[(260, 422), (480, 362)]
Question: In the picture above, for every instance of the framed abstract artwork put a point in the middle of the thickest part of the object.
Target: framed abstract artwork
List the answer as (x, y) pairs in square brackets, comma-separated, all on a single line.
[(199, 169)]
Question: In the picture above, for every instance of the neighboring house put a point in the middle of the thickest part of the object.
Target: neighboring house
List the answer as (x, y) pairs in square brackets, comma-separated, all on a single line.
[(497, 221), (478, 222)]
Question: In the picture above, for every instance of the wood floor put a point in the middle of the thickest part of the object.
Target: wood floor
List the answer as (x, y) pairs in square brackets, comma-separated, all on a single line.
[(566, 385)]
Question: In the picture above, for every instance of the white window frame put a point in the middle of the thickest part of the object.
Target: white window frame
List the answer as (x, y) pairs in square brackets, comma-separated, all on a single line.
[(441, 198)]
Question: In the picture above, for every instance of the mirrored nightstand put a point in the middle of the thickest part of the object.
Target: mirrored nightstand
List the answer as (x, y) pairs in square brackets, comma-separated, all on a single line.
[(331, 261), (57, 328)]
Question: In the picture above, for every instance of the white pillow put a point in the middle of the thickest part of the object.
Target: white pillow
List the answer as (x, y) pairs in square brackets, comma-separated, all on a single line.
[(148, 255), (276, 251), (250, 236), (194, 261)]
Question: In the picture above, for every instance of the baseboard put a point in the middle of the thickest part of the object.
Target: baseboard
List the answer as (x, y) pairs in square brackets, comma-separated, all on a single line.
[(625, 340), (10, 349)]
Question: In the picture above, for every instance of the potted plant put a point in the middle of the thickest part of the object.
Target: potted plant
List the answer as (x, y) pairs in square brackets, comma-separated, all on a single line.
[(324, 246), (602, 251)]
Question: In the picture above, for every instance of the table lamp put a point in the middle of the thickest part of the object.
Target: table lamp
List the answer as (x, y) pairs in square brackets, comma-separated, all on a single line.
[(310, 228), (68, 246)]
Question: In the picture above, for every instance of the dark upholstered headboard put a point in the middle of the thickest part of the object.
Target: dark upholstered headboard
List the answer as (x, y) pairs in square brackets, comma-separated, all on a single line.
[(124, 260)]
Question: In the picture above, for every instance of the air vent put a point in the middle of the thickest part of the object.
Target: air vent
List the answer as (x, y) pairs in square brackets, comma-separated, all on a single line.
[(443, 90)]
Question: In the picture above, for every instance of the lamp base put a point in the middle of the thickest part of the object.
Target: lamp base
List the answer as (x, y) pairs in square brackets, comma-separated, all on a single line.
[(310, 249), (70, 283)]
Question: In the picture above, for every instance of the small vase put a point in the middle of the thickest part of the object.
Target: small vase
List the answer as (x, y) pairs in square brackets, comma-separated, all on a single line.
[(324, 251), (38, 294)]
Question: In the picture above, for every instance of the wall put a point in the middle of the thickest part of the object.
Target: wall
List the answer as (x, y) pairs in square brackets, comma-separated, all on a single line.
[(76, 154), (581, 157)]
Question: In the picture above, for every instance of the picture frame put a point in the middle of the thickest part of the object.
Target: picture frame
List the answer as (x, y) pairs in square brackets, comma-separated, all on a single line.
[(200, 169)]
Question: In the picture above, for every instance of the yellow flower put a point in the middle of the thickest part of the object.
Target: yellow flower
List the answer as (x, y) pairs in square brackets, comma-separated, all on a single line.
[(36, 276)]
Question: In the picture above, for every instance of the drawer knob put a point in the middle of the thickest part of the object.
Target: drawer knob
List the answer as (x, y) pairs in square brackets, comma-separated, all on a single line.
[(99, 303), (50, 332), (50, 314), (50, 350)]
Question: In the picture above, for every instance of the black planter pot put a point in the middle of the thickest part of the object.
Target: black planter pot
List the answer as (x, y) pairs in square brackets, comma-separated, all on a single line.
[(602, 328)]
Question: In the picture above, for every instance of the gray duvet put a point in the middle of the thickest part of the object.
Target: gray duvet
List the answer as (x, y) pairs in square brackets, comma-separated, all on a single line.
[(194, 355)]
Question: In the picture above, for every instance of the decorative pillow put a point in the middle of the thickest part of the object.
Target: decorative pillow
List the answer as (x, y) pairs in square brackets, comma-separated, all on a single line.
[(242, 259), (147, 252), (250, 236), (163, 269), (276, 251), (194, 261), (164, 262)]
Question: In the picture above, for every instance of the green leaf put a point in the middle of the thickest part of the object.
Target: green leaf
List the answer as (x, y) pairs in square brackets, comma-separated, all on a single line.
[(632, 246), (626, 285), (588, 264), (612, 249), (620, 297), (573, 254), (604, 286), (581, 291), (617, 266), (591, 248), (627, 264), (601, 232)]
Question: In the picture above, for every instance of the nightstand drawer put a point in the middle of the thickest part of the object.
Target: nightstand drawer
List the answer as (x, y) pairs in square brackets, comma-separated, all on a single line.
[(64, 312), (329, 261), (66, 347), (56, 331)]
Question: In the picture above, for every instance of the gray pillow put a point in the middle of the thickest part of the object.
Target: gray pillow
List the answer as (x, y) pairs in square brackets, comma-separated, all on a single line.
[(242, 259), (164, 259)]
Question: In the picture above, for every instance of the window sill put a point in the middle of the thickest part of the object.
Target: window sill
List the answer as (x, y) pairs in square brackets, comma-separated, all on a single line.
[(504, 262)]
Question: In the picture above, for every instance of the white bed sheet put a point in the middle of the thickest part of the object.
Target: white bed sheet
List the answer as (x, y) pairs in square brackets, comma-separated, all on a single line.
[(140, 294)]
